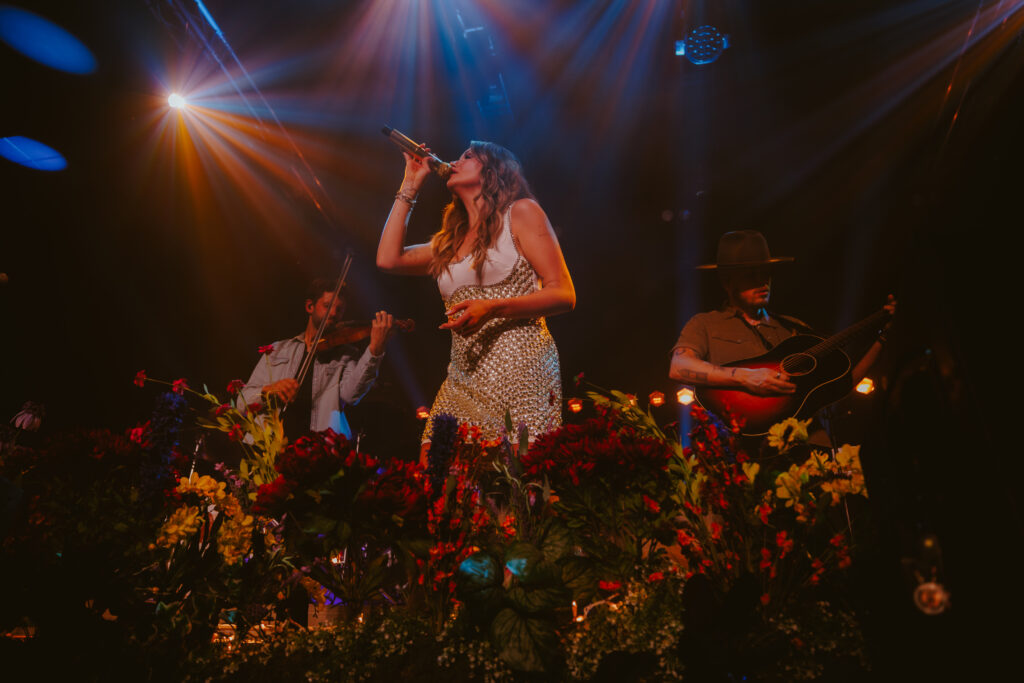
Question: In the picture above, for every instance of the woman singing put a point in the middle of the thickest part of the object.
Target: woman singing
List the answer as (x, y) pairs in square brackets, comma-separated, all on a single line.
[(500, 271)]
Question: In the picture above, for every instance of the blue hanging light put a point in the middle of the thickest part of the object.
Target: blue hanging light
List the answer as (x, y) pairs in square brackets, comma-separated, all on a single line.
[(702, 45)]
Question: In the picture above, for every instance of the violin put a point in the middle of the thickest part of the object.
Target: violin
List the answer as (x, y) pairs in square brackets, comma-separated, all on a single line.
[(351, 331)]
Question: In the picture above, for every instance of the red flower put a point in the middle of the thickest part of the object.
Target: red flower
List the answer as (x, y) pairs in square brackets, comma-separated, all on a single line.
[(138, 434), (656, 576), (266, 349), (651, 504), (785, 544), (716, 531), (609, 585), (221, 409), (763, 510), (236, 433), (765, 599), (234, 386), (837, 540), (766, 558), (270, 497), (179, 386), (254, 407), (140, 378), (687, 540)]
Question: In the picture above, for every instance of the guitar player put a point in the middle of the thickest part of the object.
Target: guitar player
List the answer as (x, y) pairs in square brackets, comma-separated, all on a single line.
[(745, 328)]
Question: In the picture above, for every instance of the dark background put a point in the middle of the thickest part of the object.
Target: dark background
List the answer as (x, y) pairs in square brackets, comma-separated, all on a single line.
[(876, 142)]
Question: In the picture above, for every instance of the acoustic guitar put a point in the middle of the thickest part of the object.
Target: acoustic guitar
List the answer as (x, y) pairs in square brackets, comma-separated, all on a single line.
[(818, 367)]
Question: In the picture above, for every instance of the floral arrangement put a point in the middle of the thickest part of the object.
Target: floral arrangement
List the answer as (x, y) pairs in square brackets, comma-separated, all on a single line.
[(604, 546)]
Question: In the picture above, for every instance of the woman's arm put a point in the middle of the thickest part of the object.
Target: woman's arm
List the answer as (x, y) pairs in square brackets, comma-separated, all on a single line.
[(538, 244), (392, 254)]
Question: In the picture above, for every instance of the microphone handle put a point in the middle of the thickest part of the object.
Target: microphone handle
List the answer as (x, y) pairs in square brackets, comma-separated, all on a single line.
[(406, 144)]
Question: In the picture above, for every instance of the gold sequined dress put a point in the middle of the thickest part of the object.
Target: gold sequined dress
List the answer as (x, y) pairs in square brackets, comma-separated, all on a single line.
[(509, 363)]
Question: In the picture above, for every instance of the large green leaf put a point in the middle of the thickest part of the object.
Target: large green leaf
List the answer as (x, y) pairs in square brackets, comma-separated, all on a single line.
[(525, 643), (539, 599), (478, 584), (579, 577), (527, 564), (555, 541)]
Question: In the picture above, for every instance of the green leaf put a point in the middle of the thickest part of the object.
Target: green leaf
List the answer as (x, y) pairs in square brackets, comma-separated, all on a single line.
[(579, 578), (538, 600), (478, 584), (524, 442), (372, 577), (555, 541), (524, 560), (525, 643), (342, 531)]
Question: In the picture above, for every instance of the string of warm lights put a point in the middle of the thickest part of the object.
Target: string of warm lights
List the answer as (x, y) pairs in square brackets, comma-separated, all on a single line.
[(684, 396)]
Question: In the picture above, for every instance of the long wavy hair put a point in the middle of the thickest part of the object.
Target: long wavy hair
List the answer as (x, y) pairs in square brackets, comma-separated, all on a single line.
[(502, 183)]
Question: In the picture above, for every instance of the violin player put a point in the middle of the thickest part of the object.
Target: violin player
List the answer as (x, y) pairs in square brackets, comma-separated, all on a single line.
[(340, 376)]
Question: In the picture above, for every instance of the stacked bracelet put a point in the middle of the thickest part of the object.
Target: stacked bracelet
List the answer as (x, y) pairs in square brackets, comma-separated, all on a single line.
[(408, 199)]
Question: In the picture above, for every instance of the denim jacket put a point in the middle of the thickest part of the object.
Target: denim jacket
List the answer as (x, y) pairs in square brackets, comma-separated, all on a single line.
[(339, 379)]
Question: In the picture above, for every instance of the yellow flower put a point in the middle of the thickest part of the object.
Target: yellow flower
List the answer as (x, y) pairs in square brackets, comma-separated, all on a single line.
[(788, 485), (182, 523), (204, 486), (817, 462), (788, 433), (848, 456), (849, 475), (750, 469)]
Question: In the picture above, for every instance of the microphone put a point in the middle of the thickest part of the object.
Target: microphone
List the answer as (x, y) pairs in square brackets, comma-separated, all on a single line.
[(418, 150)]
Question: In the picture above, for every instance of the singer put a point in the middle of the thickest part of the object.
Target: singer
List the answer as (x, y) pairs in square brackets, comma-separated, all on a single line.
[(500, 271)]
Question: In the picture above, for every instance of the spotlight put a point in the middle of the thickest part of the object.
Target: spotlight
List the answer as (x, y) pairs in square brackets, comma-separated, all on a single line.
[(656, 398), (423, 412), (865, 386), (575, 405), (177, 101), (685, 396), (702, 45)]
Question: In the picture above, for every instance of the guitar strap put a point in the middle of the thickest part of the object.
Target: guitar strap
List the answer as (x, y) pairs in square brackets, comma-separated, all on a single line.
[(794, 325)]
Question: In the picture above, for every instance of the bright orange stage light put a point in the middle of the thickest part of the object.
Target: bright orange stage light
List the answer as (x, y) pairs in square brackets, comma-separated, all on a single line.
[(865, 386), (423, 412), (575, 404), (656, 398)]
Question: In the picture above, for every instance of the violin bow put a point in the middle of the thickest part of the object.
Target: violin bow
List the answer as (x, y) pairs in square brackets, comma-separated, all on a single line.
[(307, 364)]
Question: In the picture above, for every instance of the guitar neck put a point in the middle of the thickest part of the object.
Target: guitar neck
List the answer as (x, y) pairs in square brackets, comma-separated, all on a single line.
[(872, 322)]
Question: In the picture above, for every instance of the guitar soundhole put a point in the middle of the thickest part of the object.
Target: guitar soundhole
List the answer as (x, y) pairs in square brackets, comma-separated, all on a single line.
[(799, 364)]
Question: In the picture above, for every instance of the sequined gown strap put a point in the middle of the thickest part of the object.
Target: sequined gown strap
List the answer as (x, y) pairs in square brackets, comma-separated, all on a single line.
[(509, 364)]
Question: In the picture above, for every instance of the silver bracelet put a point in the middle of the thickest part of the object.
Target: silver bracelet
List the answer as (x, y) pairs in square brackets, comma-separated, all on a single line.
[(410, 200)]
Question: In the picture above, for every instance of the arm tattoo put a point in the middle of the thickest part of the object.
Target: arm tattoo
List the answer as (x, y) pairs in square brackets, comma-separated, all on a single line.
[(693, 376)]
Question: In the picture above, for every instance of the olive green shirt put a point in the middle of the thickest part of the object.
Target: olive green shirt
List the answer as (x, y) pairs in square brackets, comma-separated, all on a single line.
[(721, 337)]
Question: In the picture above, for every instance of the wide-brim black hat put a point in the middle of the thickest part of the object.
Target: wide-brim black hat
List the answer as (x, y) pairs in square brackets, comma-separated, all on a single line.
[(743, 249)]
